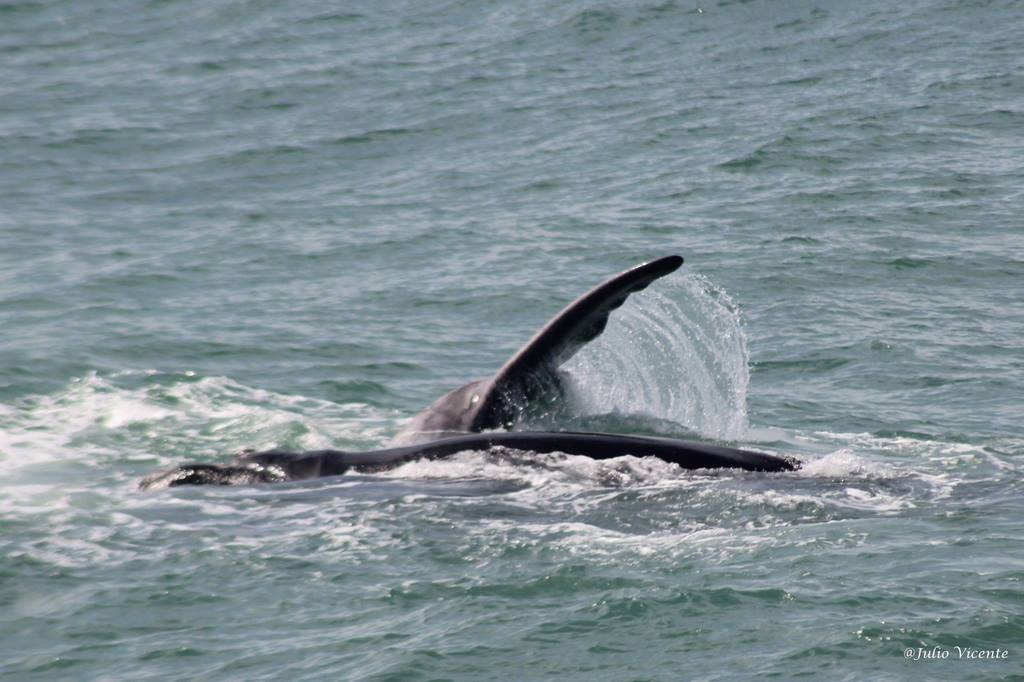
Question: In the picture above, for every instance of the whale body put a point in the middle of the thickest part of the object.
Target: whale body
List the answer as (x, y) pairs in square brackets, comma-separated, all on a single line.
[(274, 466), (472, 416)]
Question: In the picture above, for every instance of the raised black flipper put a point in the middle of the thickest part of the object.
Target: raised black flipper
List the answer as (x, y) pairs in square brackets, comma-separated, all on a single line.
[(530, 373), (533, 367)]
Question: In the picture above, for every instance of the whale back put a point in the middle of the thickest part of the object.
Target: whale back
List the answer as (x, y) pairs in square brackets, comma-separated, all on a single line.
[(532, 371)]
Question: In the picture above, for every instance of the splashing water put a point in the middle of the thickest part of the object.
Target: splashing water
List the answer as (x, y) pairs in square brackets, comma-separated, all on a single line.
[(675, 353)]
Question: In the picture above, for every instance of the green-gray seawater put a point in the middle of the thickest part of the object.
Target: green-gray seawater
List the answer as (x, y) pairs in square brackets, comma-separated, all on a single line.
[(229, 224)]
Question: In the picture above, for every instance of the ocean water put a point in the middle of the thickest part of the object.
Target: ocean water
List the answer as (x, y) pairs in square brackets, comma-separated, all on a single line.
[(231, 224)]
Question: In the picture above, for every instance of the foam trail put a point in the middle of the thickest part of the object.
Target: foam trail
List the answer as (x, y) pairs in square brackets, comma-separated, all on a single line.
[(96, 420), (677, 352)]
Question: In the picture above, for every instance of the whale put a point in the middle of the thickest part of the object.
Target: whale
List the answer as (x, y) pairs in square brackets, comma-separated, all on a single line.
[(275, 466), (483, 415)]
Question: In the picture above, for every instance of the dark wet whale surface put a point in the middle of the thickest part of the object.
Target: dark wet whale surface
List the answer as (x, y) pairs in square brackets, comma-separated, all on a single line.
[(466, 417)]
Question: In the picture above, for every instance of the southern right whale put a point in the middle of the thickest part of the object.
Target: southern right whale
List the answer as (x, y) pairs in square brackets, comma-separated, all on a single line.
[(274, 466), (480, 414)]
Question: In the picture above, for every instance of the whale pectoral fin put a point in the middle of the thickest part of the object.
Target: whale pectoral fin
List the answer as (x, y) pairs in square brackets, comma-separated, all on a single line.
[(533, 366)]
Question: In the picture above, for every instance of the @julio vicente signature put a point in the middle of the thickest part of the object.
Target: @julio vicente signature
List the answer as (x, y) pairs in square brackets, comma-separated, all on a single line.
[(957, 653)]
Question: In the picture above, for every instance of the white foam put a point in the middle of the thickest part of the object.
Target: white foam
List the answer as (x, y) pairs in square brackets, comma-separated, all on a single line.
[(843, 463), (96, 419), (563, 473), (940, 466)]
